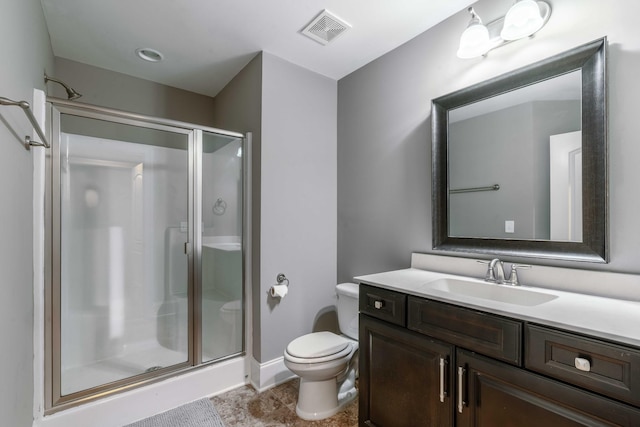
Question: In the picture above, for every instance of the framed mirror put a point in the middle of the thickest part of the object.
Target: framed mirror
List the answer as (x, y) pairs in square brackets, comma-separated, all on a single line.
[(520, 162)]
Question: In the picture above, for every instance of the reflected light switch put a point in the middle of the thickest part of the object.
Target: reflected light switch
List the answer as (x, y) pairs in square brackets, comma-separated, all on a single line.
[(509, 226)]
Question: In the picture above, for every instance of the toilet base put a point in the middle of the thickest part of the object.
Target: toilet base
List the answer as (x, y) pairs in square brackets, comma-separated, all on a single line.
[(319, 399)]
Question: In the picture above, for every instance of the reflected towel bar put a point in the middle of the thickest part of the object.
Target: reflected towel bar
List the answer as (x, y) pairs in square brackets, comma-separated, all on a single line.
[(494, 187), (27, 111)]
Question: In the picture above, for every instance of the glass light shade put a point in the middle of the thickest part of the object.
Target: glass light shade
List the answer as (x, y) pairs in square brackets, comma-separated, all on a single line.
[(474, 42), (522, 20)]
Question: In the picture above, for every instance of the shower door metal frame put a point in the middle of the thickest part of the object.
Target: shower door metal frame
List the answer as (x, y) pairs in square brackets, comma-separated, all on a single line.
[(53, 400)]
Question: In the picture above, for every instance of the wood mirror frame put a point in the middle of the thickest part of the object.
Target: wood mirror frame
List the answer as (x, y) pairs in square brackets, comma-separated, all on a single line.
[(590, 59)]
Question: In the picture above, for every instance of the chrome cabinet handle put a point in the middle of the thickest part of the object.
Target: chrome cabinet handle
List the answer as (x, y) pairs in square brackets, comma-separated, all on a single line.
[(461, 372), (378, 304), (443, 393), (582, 364)]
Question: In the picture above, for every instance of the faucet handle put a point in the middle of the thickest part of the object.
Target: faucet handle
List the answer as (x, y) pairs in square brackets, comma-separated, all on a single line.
[(513, 277)]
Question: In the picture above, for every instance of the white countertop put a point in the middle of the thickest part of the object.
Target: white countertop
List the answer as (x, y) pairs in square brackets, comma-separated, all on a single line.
[(606, 318)]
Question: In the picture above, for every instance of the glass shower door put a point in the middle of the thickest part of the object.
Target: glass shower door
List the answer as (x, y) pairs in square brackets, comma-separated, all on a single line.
[(146, 251), (123, 294), (221, 262)]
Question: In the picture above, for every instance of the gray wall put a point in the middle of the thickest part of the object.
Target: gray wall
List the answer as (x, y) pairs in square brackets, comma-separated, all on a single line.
[(483, 151), (384, 140), (292, 114), (238, 107), (508, 147), (122, 92), (298, 212), (25, 51)]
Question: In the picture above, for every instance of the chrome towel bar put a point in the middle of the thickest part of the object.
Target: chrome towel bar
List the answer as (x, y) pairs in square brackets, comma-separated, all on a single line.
[(494, 187), (27, 111)]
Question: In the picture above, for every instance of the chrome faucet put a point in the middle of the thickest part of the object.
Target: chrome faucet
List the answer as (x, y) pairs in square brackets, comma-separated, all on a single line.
[(495, 272)]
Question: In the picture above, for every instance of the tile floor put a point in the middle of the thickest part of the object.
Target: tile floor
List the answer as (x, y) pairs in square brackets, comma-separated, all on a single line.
[(274, 408)]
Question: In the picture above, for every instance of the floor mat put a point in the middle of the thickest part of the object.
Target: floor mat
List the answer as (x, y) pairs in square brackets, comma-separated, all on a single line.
[(200, 413)]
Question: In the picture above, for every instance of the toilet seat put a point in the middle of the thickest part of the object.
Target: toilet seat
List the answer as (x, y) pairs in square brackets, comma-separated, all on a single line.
[(318, 347), (231, 306)]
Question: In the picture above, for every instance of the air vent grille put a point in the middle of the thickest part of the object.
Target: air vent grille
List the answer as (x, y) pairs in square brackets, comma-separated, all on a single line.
[(325, 27)]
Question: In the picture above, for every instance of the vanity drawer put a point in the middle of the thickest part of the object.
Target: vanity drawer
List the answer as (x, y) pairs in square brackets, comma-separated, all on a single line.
[(613, 370), (482, 333), (383, 304)]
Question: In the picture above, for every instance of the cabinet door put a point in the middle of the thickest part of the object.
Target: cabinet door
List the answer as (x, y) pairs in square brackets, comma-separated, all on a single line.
[(405, 378), (491, 393)]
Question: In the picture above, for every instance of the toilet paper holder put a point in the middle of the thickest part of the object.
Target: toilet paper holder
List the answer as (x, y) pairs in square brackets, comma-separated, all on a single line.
[(281, 289), (281, 278)]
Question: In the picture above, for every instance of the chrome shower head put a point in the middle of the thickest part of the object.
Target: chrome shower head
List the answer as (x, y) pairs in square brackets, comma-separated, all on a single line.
[(71, 93)]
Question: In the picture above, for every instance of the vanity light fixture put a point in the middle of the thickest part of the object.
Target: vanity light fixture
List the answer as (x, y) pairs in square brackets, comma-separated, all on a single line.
[(523, 19), (474, 41)]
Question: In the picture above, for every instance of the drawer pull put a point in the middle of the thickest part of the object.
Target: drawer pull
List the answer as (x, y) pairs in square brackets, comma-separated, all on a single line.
[(583, 364), (378, 304)]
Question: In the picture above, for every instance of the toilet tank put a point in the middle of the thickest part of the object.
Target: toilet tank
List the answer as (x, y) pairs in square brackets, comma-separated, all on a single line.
[(347, 308)]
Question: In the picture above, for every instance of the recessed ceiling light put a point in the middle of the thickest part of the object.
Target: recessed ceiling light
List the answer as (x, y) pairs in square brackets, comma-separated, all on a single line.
[(149, 54)]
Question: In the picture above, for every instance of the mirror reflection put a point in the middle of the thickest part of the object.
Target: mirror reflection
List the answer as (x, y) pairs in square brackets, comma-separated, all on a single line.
[(519, 161), (515, 163)]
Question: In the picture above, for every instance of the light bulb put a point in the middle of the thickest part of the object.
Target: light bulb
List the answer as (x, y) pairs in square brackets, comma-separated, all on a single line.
[(522, 20), (474, 41)]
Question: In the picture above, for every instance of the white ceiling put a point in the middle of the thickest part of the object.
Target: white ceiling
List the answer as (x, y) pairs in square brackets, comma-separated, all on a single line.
[(207, 42)]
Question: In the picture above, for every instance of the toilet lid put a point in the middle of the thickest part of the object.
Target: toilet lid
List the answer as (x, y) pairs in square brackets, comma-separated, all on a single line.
[(317, 344)]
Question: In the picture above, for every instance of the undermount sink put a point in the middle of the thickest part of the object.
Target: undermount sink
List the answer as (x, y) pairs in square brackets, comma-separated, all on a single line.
[(490, 291)]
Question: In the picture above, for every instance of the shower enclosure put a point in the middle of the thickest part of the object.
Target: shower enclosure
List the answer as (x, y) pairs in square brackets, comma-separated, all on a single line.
[(146, 253)]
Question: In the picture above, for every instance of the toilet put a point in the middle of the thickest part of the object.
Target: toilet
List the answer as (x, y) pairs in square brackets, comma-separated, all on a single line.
[(327, 363), (231, 315)]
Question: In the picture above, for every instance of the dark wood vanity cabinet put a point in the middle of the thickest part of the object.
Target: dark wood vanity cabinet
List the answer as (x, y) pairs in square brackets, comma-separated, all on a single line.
[(438, 364), (494, 336), (614, 370), (492, 393), (406, 377)]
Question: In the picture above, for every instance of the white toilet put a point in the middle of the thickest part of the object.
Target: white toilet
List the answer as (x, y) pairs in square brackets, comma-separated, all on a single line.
[(231, 315), (327, 363)]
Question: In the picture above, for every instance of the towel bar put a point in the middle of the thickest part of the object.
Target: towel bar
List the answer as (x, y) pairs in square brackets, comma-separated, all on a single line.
[(28, 142)]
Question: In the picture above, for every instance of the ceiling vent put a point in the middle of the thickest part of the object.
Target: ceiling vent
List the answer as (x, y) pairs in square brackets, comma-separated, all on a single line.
[(325, 27)]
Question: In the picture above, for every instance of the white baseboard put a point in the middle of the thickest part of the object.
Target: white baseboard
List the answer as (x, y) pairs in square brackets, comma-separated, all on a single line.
[(269, 374)]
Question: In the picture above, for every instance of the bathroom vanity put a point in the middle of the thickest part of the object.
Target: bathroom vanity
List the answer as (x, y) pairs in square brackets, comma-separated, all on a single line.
[(445, 350)]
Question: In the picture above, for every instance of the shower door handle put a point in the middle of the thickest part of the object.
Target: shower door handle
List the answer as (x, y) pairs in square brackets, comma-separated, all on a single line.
[(187, 248)]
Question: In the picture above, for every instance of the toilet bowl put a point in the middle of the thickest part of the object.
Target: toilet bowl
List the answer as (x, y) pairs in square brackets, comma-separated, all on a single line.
[(231, 315), (326, 362)]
